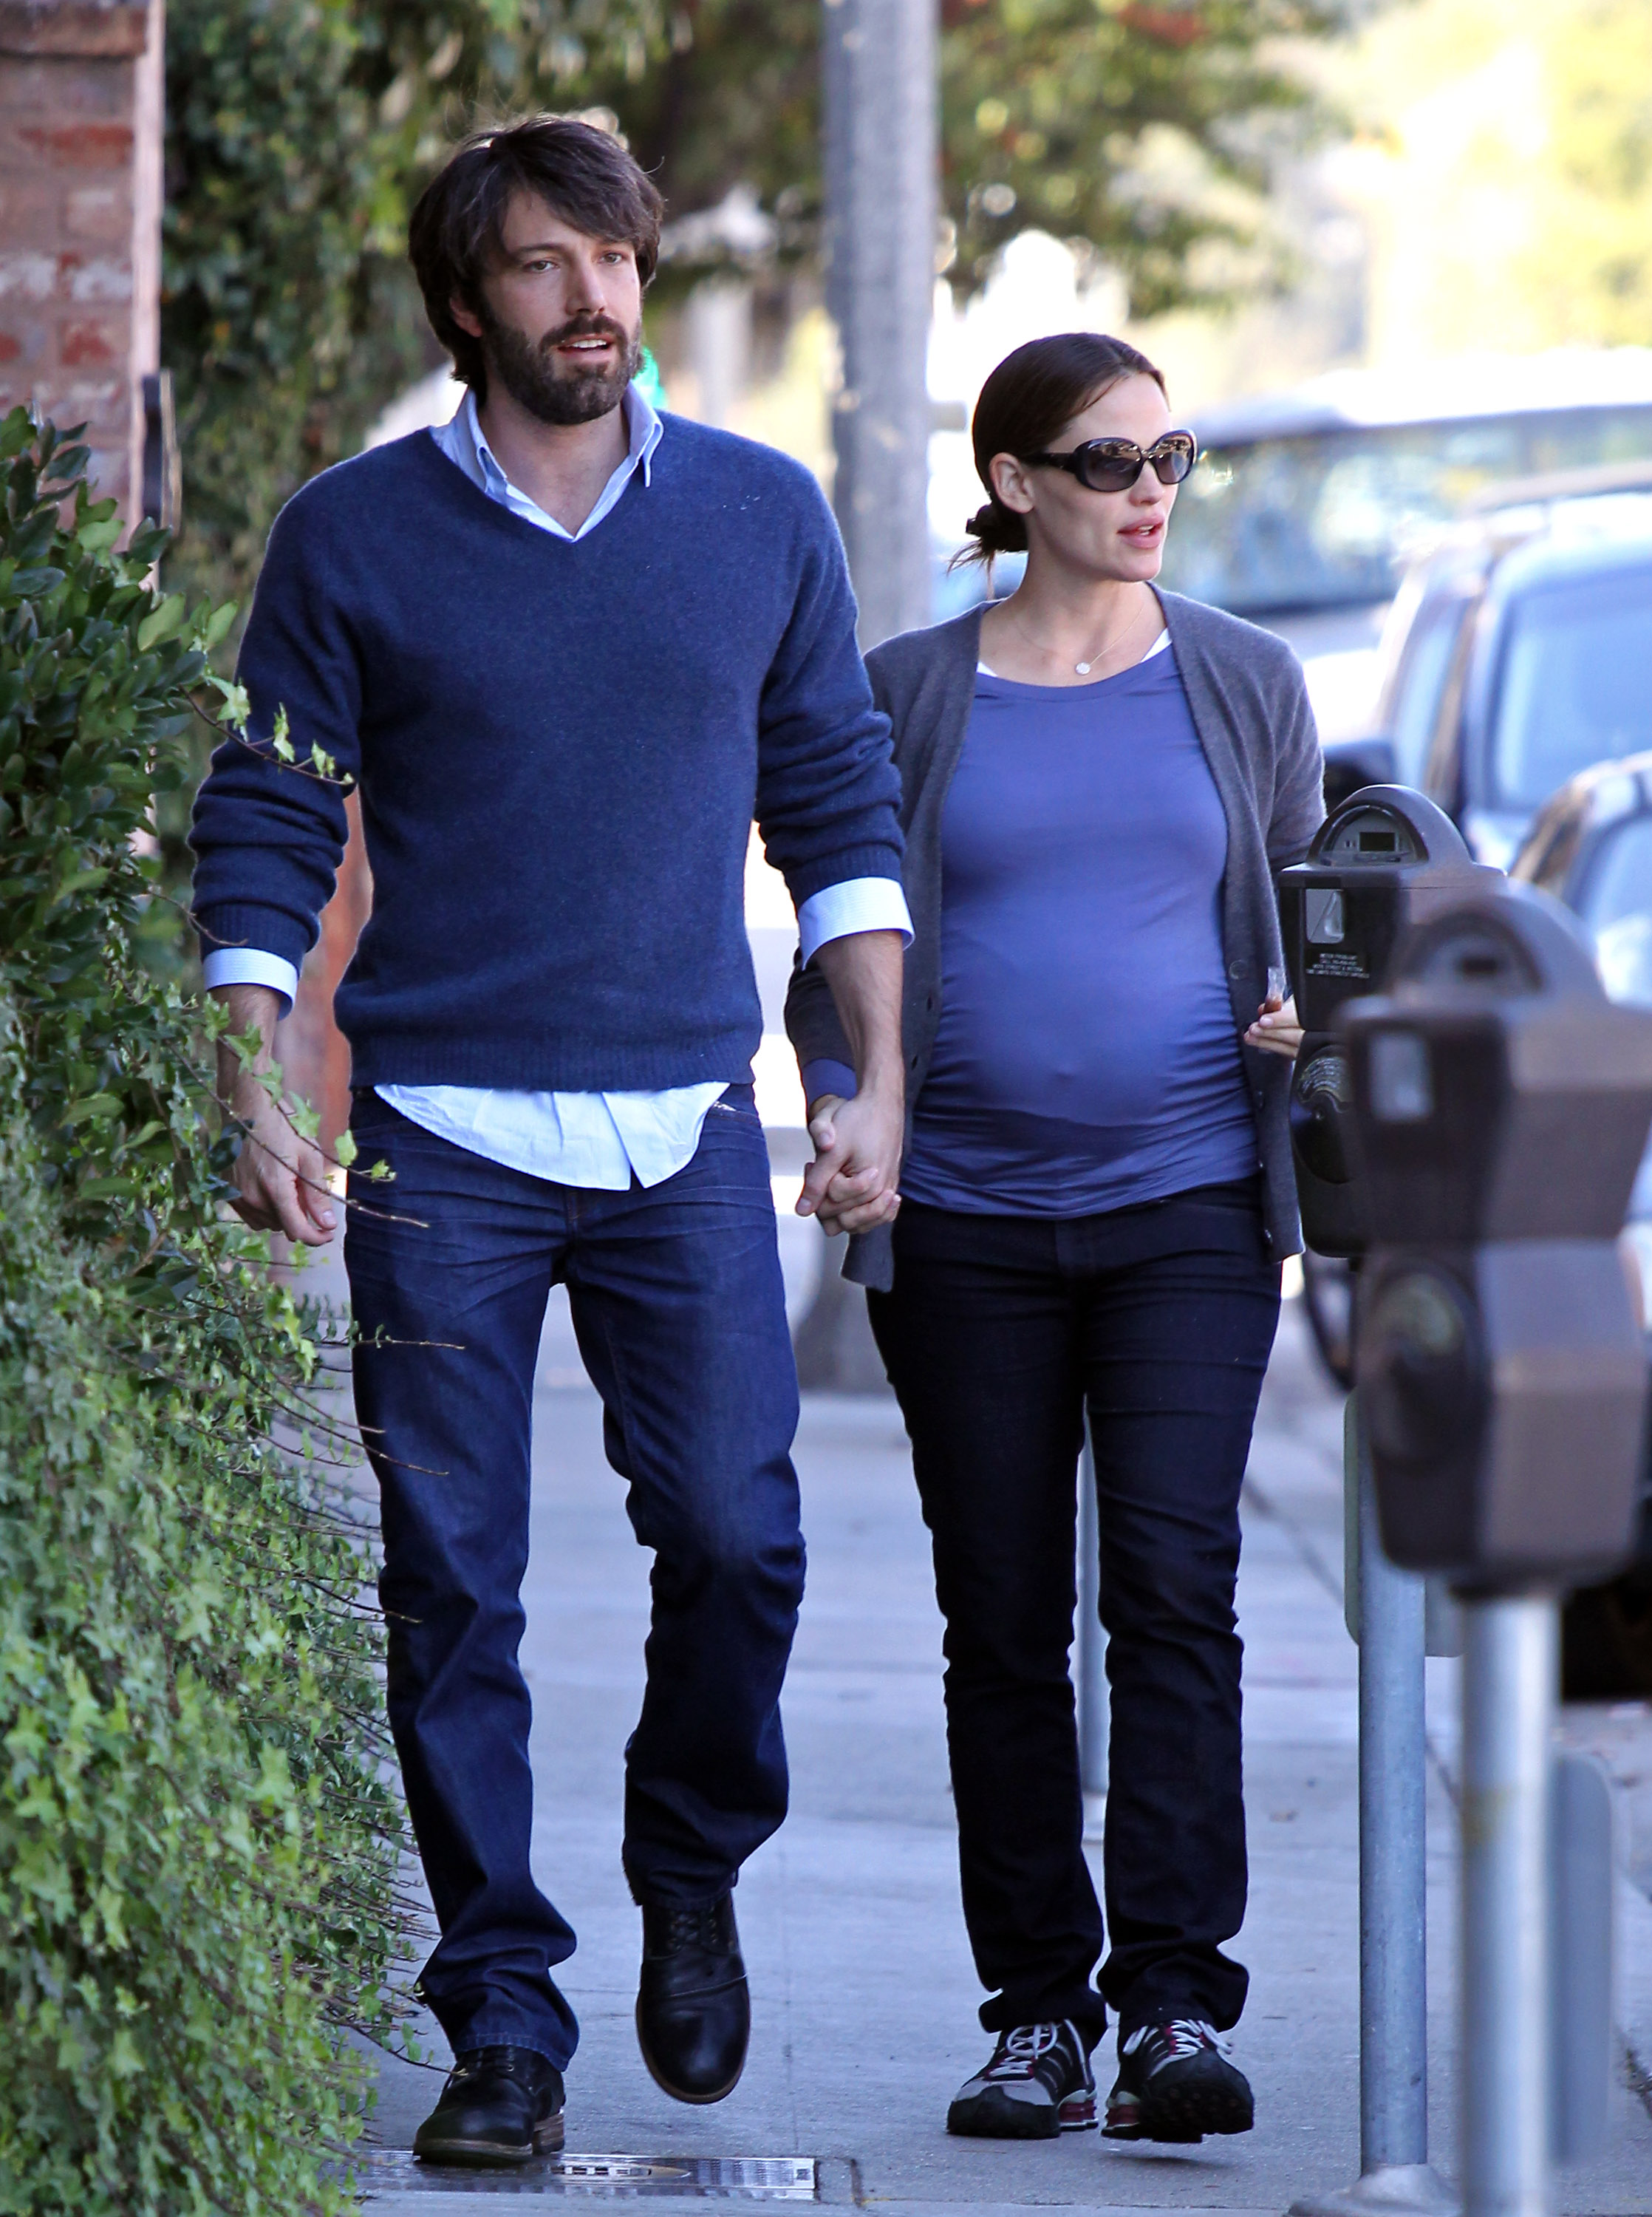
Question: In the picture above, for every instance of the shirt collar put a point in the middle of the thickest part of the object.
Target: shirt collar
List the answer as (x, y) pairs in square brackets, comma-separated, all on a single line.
[(644, 431)]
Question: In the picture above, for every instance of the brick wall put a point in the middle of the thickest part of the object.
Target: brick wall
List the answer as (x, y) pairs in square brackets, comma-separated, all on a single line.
[(81, 108)]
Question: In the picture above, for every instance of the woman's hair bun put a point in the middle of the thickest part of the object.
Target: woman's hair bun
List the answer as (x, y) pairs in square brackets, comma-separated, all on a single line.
[(995, 529)]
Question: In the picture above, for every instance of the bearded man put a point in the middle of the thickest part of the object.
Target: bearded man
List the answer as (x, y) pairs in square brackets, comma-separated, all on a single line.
[(565, 649)]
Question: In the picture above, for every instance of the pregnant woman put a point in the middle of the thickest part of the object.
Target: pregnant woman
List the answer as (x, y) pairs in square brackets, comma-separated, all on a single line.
[(1099, 782)]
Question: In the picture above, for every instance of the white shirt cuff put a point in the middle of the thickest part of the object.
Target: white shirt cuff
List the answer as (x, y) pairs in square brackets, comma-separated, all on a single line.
[(856, 904), (247, 966)]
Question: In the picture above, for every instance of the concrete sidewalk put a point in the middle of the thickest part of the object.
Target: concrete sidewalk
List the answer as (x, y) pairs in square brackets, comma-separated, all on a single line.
[(864, 1994)]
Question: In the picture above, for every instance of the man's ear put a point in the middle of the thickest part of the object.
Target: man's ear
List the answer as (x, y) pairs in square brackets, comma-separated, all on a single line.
[(465, 316)]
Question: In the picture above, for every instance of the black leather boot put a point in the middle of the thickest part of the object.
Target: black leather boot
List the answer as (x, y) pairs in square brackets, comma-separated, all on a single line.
[(693, 2012), (501, 2105)]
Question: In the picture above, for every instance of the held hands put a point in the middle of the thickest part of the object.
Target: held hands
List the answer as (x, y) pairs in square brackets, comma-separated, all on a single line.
[(1276, 1029), (850, 1185)]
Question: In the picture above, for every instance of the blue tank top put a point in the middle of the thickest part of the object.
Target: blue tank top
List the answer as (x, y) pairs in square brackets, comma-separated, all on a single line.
[(1087, 1056)]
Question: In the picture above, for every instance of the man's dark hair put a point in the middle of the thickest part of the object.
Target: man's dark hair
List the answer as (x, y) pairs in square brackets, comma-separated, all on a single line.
[(584, 174)]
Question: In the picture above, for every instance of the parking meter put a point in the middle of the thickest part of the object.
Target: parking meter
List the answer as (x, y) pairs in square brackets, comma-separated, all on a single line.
[(1383, 862), (1500, 1105)]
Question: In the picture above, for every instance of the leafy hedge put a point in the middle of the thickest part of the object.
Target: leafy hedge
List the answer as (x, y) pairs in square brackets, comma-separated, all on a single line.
[(199, 1841)]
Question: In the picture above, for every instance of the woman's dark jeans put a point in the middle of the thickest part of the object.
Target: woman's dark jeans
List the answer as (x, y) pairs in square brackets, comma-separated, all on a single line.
[(998, 1332)]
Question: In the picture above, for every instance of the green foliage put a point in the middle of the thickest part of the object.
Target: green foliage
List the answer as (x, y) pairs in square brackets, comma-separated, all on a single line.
[(199, 1844), (300, 131), (1143, 131), (1146, 130)]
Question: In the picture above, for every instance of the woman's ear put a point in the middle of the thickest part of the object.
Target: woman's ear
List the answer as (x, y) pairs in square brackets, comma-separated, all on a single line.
[(1012, 482)]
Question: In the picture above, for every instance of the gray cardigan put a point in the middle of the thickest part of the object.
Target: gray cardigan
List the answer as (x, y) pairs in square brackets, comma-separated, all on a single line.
[(1250, 709)]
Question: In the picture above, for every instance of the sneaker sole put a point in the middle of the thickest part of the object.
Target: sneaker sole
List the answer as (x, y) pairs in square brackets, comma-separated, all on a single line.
[(982, 2119), (1184, 2114), (492, 2155)]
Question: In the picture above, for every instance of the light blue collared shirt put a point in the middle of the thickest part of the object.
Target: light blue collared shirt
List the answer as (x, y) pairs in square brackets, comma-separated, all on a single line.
[(599, 1140)]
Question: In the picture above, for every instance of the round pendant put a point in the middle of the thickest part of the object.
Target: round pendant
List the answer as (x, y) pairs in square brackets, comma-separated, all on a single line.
[(1082, 668)]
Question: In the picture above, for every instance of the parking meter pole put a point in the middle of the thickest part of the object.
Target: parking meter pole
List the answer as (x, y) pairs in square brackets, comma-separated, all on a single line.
[(1089, 1674), (1494, 1323), (1509, 1668), (1386, 1613), (1393, 1866)]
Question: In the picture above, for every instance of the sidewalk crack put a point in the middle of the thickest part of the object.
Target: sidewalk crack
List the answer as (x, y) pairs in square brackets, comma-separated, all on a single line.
[(1299, 1539)]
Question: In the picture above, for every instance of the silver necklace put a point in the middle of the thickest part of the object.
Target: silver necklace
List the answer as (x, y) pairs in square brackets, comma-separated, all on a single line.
[(1079, 669)]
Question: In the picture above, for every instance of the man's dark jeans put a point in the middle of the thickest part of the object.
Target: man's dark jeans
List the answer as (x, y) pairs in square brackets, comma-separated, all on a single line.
[(998, 1333), (679, 1307)]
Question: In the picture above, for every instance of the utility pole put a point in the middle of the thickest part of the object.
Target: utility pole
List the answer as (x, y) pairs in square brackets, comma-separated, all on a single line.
[(881, 98)]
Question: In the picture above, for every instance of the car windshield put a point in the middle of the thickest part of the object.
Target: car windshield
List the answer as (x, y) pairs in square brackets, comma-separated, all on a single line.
[(1616, 910), (1329, 519), (1574, 686)]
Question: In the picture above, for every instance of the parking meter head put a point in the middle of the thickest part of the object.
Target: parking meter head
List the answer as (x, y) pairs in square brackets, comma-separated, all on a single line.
[(1497, 1093), (1341, 906), (1377, 864), (1501, 1105)]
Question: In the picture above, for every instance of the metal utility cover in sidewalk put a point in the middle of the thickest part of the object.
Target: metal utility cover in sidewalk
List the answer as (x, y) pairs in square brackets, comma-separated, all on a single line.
[(397, 2177)]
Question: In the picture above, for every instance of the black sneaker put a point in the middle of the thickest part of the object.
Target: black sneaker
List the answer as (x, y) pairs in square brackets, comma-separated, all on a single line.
[(1037, 2085), (501, 2105), (1174, 2084)]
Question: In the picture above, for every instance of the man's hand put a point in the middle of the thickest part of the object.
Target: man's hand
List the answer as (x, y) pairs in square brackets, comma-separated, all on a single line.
[(280, 1178), (850, 1185)]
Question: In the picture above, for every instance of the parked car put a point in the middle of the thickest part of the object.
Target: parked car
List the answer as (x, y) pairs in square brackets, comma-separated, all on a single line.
[(1518, 651), (1591, 847), (1517, 654), (1310, 505)]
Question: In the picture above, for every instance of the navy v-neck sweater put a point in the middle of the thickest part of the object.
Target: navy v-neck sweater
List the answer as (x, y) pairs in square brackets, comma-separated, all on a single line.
[(559, 750)]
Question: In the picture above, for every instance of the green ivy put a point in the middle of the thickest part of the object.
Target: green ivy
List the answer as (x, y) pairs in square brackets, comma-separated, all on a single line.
[(199, 1841)]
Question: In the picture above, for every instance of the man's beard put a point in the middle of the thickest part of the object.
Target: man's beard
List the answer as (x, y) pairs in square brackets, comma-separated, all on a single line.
[(536, 380)]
